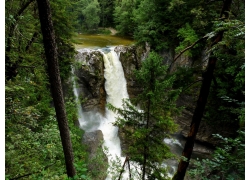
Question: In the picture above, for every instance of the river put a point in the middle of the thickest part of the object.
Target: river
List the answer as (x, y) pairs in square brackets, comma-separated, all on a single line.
[(95, 41)]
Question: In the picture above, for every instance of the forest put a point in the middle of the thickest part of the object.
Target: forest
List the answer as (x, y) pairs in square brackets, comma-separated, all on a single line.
[(193, 61)]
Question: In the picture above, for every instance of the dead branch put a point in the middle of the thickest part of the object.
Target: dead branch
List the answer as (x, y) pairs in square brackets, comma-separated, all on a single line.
[(184, 50), (126, 159), (189, 47)]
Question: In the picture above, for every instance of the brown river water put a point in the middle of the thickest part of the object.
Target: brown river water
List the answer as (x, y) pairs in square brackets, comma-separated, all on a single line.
[(100, 41)]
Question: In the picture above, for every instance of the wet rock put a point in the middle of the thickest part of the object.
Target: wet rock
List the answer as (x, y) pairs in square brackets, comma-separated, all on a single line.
[(97, 160), (90, 77), (206, 129), (131, 58), (93, 140)]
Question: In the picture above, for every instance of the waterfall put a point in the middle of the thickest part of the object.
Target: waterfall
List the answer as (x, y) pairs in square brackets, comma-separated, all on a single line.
[(88, 121), (116, 90)]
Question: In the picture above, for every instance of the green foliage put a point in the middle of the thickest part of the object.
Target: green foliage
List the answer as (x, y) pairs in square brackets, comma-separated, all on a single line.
[(226, 104), (63, 24), (186, 77), (146, 127), (150, 18), (228, 92), (123, 15), (98, 163), (24, 47), (91, 15), (157, 86), (165, 24), (228, 161), (88, 15), (189, 36), (106, 14), (32, 138), (81, 169), (33, 146)]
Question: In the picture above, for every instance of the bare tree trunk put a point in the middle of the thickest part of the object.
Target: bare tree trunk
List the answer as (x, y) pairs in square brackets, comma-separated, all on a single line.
[(201, 103), (55, 82)]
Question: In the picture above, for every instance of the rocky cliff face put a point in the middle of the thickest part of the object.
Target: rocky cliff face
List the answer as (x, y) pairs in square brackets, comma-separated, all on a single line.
[(131, 58), (97, 160), (206, 129), (90, 77)]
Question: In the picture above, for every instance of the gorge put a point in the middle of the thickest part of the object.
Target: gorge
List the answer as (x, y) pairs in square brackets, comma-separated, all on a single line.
[(103, 76), (60, 76)]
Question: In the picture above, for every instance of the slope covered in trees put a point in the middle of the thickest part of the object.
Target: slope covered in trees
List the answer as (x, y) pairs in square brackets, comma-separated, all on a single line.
[(33, 148)]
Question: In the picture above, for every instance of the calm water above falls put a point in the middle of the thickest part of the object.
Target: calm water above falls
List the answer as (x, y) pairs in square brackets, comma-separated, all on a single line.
[(96, 41)]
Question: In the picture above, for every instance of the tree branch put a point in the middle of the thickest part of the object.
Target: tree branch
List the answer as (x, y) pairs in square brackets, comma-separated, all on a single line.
[(184, 50), (35, 35), (22, 9), (129, 169), (189, 47), (126, 159), (192, 84), (22, 66)]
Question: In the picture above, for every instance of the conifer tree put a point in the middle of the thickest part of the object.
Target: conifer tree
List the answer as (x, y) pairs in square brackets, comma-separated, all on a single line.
[(145, 128), (55, 82), (202, 100)]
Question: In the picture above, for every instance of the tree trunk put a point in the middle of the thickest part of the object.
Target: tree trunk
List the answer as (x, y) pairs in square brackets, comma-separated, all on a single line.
[(55, 82), (201, 103)]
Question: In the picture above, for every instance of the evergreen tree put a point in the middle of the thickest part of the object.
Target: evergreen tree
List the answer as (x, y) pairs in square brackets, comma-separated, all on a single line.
[(88, 13), (14, 42), (106, 14), (145, 128), (55, 82), (202, 100), (123, 16), (158, 22)]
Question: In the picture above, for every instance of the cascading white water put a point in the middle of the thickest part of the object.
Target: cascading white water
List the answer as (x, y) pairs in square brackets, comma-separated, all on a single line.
[(116, 89), (89, 121)]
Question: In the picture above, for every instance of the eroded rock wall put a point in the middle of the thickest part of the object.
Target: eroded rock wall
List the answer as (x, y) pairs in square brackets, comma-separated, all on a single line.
[(131, 58), (90, 79), (90, 75)]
